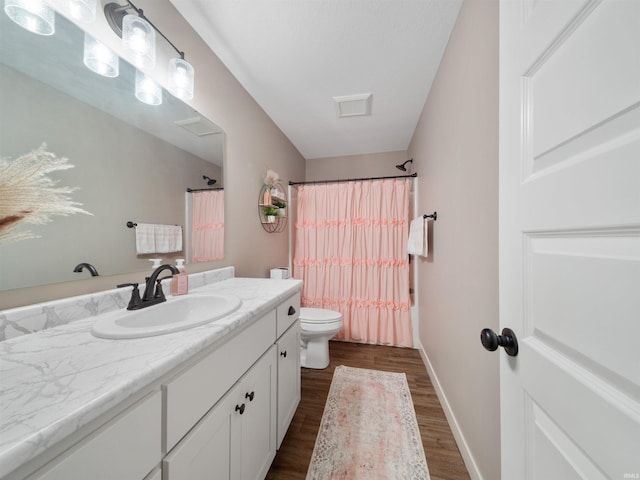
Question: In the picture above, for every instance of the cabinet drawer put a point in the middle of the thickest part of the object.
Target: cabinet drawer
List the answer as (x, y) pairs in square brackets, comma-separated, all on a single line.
[(126, 448), (288, 312), (189, 395)]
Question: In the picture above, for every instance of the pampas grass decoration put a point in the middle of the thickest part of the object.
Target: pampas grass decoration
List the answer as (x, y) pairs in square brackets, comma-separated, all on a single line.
[(28, 195), (271, 178)]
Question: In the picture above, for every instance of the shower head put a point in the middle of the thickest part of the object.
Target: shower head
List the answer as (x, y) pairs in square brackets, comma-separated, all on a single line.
[(210, 181), (402, 165)]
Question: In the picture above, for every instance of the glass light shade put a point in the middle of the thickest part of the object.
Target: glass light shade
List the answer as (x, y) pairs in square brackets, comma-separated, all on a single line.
[(139, 41), (33, 15), (181, 78), (100, 58), (147, 90), (82, 10)]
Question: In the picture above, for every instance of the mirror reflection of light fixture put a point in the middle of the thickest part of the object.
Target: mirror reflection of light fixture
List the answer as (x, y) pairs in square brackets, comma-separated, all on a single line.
[(139, 41), (81, 10), (100, 58), (181, 73), (33, 15), (147, 90)]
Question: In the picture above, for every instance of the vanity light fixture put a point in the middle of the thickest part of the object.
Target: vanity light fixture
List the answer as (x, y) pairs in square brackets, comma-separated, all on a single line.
[(138, 36), (139, 41), (81, 10), (181, 76), (33, 15), (148, 90), (100, 58)]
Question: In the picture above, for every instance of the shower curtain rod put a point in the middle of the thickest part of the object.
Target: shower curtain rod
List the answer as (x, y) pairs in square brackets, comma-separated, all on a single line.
[(190, 190), (413, 175)]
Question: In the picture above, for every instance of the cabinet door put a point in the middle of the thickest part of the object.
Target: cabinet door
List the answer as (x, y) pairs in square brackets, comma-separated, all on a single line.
[(288, 378), (211, 449), (258, 421)]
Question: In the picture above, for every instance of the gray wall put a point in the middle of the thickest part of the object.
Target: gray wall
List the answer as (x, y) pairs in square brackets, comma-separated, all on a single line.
[(355, 166), (455, 150)]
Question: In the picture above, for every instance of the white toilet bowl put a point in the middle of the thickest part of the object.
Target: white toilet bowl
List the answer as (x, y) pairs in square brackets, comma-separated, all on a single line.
[(317, 327)]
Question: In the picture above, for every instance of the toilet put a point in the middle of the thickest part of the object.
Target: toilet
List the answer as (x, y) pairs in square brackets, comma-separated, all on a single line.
[(317, 327)]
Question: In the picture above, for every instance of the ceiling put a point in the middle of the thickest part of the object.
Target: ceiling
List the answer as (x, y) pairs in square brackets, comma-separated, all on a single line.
[(294, 56)]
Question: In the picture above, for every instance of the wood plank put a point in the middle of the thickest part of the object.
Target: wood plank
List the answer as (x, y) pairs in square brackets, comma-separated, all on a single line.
[(443, 457)]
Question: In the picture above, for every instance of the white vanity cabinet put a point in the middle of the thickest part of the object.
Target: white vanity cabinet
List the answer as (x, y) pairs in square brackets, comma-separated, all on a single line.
[(288, 343), (127, 447), (258, 421), (288, 378), (236, 438), (221, 414)]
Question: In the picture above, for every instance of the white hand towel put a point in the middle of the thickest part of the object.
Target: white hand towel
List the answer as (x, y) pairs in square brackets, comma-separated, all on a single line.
[(168, 238), (152, 238), (418, 237), (145, 238)]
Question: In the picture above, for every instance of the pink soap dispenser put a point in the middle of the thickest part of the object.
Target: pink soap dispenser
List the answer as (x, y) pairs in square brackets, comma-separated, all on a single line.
[(180, 281)]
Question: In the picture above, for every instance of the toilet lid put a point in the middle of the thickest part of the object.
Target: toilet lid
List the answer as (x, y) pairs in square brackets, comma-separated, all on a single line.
[(319, 315)]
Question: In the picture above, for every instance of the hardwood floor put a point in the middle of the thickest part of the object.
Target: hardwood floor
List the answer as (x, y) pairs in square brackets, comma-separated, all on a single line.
[(443, 457)]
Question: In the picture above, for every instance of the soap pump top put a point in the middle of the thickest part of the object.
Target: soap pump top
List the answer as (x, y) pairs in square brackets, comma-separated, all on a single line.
[(180, 264)]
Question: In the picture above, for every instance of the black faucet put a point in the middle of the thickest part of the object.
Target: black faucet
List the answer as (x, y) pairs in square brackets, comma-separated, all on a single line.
[(88, 266), (151, 296), (151, 293)]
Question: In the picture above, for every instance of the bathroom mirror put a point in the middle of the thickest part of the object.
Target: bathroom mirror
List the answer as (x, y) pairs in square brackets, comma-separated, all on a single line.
[(132, 161)]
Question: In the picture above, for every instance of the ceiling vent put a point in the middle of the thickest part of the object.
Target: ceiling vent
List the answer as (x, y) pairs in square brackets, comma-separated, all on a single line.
[(198, 126), (353, 105)]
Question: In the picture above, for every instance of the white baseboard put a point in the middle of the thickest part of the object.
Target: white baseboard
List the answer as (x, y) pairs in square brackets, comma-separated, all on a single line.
[(467, 457)]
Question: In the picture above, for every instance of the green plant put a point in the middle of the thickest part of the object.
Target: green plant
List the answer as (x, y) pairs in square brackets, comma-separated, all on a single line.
[(280, 204), (270, 211)]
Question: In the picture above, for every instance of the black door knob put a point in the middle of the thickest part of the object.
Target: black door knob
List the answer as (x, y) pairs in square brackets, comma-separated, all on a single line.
[(292, 311), (250, 396), (283, 354), (240, 408), (508, 340)]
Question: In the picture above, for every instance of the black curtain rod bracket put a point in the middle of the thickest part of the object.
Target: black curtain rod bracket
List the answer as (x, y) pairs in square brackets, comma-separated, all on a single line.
[(131, 224), (434, 215), (342, 180)]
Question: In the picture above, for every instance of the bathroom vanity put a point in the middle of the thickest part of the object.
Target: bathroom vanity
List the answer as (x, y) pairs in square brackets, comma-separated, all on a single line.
[(217, 398)]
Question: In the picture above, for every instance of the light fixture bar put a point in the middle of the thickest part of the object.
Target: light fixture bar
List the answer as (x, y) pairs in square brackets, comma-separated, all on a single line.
[(115, 13)]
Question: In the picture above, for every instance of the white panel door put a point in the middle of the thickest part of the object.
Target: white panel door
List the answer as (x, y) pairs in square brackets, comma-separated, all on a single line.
[(570, 238)]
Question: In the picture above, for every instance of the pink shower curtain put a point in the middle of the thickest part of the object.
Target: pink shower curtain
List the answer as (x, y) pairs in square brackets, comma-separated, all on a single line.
[(207, 226), (351, 253)]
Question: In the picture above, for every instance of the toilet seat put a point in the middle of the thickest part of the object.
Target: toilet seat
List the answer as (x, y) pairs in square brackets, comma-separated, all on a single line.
[(319, 316)]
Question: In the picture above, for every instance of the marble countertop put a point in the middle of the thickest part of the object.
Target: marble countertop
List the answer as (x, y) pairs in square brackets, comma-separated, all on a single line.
[(55, 381)]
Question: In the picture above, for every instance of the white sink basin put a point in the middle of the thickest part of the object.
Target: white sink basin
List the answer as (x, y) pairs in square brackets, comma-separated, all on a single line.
[(177, 313)]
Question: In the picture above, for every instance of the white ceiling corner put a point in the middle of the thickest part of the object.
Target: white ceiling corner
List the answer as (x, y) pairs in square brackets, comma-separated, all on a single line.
[(294, 56)]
